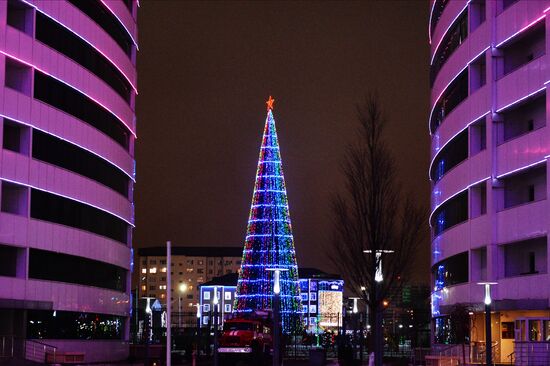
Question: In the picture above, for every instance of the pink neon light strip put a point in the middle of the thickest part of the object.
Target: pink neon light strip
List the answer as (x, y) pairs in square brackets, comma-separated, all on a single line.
[(121, 22), (88, 42), (70, 142), (446, 30), (449, 83), (521, 99), (540, 162), (454, 195), (522, 30), (68, 197), (71, 86), (455, 135), (430, 21)]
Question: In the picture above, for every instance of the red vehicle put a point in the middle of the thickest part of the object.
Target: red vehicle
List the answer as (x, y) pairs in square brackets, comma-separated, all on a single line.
[(246, 338)]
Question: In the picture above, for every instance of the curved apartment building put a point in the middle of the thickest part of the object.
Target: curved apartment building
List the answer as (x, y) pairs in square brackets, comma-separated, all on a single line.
[(67, 128), (490, 144)]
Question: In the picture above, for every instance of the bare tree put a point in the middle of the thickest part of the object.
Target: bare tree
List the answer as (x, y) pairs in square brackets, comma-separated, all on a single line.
[(373, 214)]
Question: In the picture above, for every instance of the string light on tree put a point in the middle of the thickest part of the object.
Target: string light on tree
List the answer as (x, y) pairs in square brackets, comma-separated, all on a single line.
[(269, 242)]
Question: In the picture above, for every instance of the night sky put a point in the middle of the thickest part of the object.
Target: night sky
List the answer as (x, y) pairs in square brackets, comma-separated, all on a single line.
[(205, 70)]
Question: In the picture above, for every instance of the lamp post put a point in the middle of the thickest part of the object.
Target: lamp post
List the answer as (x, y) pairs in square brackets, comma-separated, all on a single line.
[(276, 314), (182, 289), (215, 302), (355, 310), (199, 316), (488, 335), (378, 278), (148, 327)]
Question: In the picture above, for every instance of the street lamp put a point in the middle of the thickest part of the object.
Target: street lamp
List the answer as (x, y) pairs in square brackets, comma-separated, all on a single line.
[(378, 278), (215, 302), (276, 314), (488, 336), (182, 289), (355, 310)]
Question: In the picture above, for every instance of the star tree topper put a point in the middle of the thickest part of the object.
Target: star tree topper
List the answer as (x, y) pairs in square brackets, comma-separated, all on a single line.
[(269, 103)]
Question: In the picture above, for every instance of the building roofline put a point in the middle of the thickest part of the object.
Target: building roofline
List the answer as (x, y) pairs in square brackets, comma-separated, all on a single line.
[(217, 251)]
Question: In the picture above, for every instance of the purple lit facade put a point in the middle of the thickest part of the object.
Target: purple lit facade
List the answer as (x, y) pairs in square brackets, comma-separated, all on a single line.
[(490, 145), (67, 127)]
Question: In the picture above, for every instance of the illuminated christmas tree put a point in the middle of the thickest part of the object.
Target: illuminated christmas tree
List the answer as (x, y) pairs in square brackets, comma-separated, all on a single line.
[(269, 242)]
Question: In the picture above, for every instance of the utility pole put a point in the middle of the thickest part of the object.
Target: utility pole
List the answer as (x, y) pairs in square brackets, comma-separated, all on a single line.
[(378, 278)]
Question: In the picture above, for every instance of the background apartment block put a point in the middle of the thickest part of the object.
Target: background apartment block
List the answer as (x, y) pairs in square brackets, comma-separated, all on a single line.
[(191, 267)]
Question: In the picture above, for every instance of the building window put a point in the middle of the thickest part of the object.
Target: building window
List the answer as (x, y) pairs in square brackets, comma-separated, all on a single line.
[(56, 151), (206, 308), (454, 37), (312, 320), (451, 271), (106, 20), (152, 288), (51, 266), (71, 101), (16, 137), (153, 270), (206, 295), (227, 308), (200, 270), (227, 295), (524, 48), (455, 93), (18, 76), (190, 296), (313, 296), (144, 270), (304, 296), (47, 324), (205, 320), (478, 74), (477, 14), (451, 213), (313, 308), (15, 199), (304, 309), (522, 119), (55, 36), (525, 257), (20, 16), (525, 187)]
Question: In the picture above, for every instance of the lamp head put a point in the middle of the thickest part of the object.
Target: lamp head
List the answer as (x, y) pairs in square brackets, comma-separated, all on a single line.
[(182, 287)]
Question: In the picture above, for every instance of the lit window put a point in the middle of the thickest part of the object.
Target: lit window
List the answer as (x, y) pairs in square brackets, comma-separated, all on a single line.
[(162, 296), (227, 295), (163, 269), (206, 307), (313, 308), (144, 270), (227, 308), (304, 296), (143, 288), (206, 295), (312, 320), (304, 309), (313, 296), (205, 320), (153, 270)]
